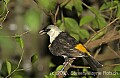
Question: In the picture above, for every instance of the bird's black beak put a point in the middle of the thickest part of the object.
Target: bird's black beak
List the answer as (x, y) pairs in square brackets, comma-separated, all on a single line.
[(42, 32)]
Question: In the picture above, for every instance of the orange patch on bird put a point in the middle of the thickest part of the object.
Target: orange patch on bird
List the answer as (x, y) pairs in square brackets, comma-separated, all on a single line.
[(81, 48)]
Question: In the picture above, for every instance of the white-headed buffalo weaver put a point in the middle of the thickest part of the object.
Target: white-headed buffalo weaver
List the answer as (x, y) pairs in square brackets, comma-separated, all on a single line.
[(62, 44)]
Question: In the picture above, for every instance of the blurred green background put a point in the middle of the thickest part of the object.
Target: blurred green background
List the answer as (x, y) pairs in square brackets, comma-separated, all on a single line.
[(21, 21)]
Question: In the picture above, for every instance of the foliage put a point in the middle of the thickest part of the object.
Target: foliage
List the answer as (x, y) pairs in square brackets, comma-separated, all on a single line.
[(3, 11), (116, 69), (34, 58), (84, 22)]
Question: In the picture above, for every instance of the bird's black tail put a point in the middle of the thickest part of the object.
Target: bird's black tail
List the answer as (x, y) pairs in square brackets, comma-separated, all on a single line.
[(94, 64)]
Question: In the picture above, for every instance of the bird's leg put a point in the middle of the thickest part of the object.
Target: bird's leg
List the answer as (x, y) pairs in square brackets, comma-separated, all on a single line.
[(62, 71), (66, 61), (65, 64)]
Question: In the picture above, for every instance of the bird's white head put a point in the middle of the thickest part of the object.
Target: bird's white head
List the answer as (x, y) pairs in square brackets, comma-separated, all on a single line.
[(52, 31)]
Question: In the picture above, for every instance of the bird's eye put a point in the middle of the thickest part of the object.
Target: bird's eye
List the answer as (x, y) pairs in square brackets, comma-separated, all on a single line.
[(46, 30)]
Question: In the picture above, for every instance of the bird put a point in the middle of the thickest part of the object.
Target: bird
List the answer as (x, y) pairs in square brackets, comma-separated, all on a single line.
[(64, 45)]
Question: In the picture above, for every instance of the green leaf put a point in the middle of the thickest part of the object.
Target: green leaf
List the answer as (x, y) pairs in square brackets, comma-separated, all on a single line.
[(108, 5), (63, 3), (60, 24), (71, 25), (3, 70), (34, 58), (32, 20), (46, 76), (1, 27), (69, 5), (72, 28), (116, 69), (95, 24), (74, 74), (47, 4), (84, 33), (51, 64), (118, 10), (98, 17), (86, 19), (8, 64), (78, 5), (76, 36), (99, 35), (93, 10), (59, 68), (51, 75), (101, 22), (3, 11), (19, 40), (17, 76), (2, 8), (7, 1)]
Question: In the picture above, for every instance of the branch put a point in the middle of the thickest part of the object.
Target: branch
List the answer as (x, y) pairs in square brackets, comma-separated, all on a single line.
[(65, 69), (100, 31), (21, 58), (107, 38), (101, 57), (55, 17)]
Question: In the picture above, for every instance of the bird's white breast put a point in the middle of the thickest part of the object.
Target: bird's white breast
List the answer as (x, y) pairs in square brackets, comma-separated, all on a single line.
[(53, 34)]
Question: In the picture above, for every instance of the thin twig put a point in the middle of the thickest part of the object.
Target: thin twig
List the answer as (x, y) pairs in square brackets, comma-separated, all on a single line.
[(65, 3), (110, 15), (56, 13), (15, 36), (24, 69), (17, 65), (73, 66), (100, 31), (24, 33), (21, 55), (91, 28), (113, 51), (105, 40), (8, 36), (62, 16), (5, 16), (52, 16), (118, 45), (111, 65), (20, 58), (97, 52)]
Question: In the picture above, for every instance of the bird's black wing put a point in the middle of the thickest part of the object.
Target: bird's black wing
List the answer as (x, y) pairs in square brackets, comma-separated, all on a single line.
[(64, 45)]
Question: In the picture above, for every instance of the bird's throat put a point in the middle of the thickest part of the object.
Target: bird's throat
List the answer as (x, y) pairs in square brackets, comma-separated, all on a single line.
[(53, 35)]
